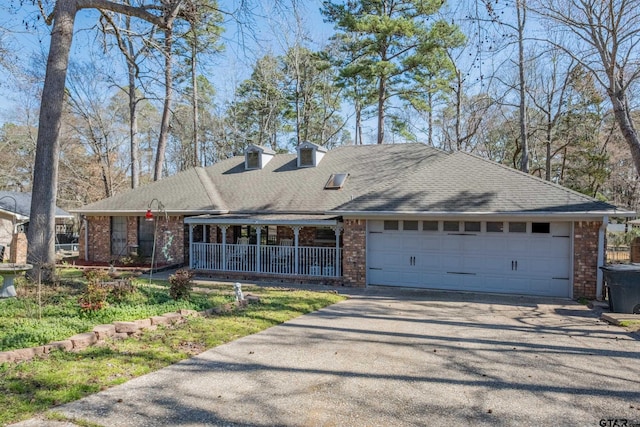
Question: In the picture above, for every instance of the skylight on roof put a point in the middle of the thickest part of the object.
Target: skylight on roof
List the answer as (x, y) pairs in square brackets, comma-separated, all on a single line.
[(336, 181)]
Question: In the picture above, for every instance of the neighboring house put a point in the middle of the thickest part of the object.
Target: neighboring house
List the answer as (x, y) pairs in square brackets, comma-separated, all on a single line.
[(395, 215), (15, 209)]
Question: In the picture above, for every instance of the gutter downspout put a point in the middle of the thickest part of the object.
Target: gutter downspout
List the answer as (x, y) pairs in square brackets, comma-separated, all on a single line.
[(601, 251)]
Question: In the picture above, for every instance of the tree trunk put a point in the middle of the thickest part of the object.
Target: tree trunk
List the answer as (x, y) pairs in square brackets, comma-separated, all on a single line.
[(133, 121), (524, 160), (382, 89), (358, 139), (41, 234), (549, 138), (458, 109), (194, 80), (430, 118), (622, 114), (166, 111)]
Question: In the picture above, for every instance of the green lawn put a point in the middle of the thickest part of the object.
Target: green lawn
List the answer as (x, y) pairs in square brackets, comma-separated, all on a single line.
[(28, 388)]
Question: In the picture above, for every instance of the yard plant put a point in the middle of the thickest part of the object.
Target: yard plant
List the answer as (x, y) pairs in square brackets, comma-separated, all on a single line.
[(28, 388)]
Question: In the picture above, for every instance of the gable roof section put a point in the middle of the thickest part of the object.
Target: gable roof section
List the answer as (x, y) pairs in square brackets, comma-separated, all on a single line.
[(187, 192), (21, 209), (283, 187), (383, 179), (463, 183)]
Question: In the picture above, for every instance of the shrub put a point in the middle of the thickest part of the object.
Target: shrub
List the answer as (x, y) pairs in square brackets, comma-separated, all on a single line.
[(121, 291), (94, 297), (96, 275), (181, 284)]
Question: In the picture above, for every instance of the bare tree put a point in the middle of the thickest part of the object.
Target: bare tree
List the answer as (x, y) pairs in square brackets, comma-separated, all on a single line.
[(125, 38), (41, 235), (605, 42)]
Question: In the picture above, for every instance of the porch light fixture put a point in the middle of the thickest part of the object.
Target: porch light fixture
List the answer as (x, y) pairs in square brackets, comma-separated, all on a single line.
[(149, 215)]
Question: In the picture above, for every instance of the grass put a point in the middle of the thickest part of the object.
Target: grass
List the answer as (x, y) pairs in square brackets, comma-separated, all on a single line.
[(633, 325), (30, 388)]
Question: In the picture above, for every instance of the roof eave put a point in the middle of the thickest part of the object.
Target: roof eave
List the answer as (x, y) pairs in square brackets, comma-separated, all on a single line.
[(574, 214), (141, 212)]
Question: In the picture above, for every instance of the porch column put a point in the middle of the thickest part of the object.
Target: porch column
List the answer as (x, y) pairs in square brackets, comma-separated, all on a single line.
[(296, 237), (336, 271), (258, 258), (224, 246), (191, 263)]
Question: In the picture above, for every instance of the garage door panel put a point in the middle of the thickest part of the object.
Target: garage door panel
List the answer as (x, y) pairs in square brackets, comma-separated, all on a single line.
[(452, 264), (430, 243), (430, 262), (474, 244), (412, 244), (519, 263), (477, 262), (517, 245), (452, 243)]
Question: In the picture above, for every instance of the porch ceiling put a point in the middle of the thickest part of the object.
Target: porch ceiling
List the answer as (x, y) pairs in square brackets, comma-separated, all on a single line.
[(265, 219)]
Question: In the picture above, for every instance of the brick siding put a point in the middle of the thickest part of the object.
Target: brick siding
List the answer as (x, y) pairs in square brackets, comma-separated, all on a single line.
[(19, 249), (99, 241), (585, 259), (354, 259), (170, 240), (169, 244)]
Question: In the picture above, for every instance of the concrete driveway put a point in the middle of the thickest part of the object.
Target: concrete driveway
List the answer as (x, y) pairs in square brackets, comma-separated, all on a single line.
[(397, 357)]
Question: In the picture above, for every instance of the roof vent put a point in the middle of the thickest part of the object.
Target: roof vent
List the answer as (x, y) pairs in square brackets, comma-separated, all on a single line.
[(336, 181), (256, 157), (309, 154)]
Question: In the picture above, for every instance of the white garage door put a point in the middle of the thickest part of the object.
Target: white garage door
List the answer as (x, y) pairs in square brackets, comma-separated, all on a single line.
[(527, 258)]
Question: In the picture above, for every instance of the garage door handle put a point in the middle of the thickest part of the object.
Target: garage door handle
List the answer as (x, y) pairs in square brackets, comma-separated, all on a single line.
[(516, 265), (511, 265)]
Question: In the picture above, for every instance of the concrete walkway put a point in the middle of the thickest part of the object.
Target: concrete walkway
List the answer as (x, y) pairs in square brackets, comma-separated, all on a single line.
[(396, 357)]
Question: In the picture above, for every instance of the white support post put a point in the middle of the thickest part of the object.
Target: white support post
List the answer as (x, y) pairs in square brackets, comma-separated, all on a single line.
[(336, 271), (224, 246), (296, 238), (191, 246), (258, 257)]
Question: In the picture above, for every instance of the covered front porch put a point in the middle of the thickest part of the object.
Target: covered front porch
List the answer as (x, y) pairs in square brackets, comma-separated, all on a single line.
[(281, 245)]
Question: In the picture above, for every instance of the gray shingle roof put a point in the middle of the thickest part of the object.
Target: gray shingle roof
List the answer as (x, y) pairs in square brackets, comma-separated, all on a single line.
[(412, 178), (191, 191), (22, 204)]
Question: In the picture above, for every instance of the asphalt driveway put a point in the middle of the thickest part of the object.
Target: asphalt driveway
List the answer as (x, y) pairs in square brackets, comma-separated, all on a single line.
[(392, 357)]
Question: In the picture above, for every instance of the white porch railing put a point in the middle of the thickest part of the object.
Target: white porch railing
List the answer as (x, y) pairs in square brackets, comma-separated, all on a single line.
[(285, 260)]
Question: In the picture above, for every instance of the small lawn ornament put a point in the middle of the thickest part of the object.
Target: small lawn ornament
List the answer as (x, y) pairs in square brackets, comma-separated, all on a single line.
[(237, 288)]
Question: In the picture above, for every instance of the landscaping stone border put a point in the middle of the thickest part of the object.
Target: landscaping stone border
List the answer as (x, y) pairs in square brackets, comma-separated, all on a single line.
[(118, 330)]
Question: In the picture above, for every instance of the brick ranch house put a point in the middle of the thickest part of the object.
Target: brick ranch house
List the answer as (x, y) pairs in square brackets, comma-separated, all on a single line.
[(395, 215)]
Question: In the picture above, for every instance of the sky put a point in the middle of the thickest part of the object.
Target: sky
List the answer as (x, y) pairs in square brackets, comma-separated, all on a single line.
[(272, 32)]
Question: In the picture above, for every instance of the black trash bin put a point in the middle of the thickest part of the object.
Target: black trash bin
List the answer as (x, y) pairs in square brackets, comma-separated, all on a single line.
[(623, 282)]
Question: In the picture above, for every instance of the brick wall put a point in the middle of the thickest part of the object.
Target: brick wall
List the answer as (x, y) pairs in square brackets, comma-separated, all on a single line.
[(307, 236), (169, 243), (19, 248), (284, 232), (354, 259), (170, 240), (99, 244), (585, 259), (132, 231)]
